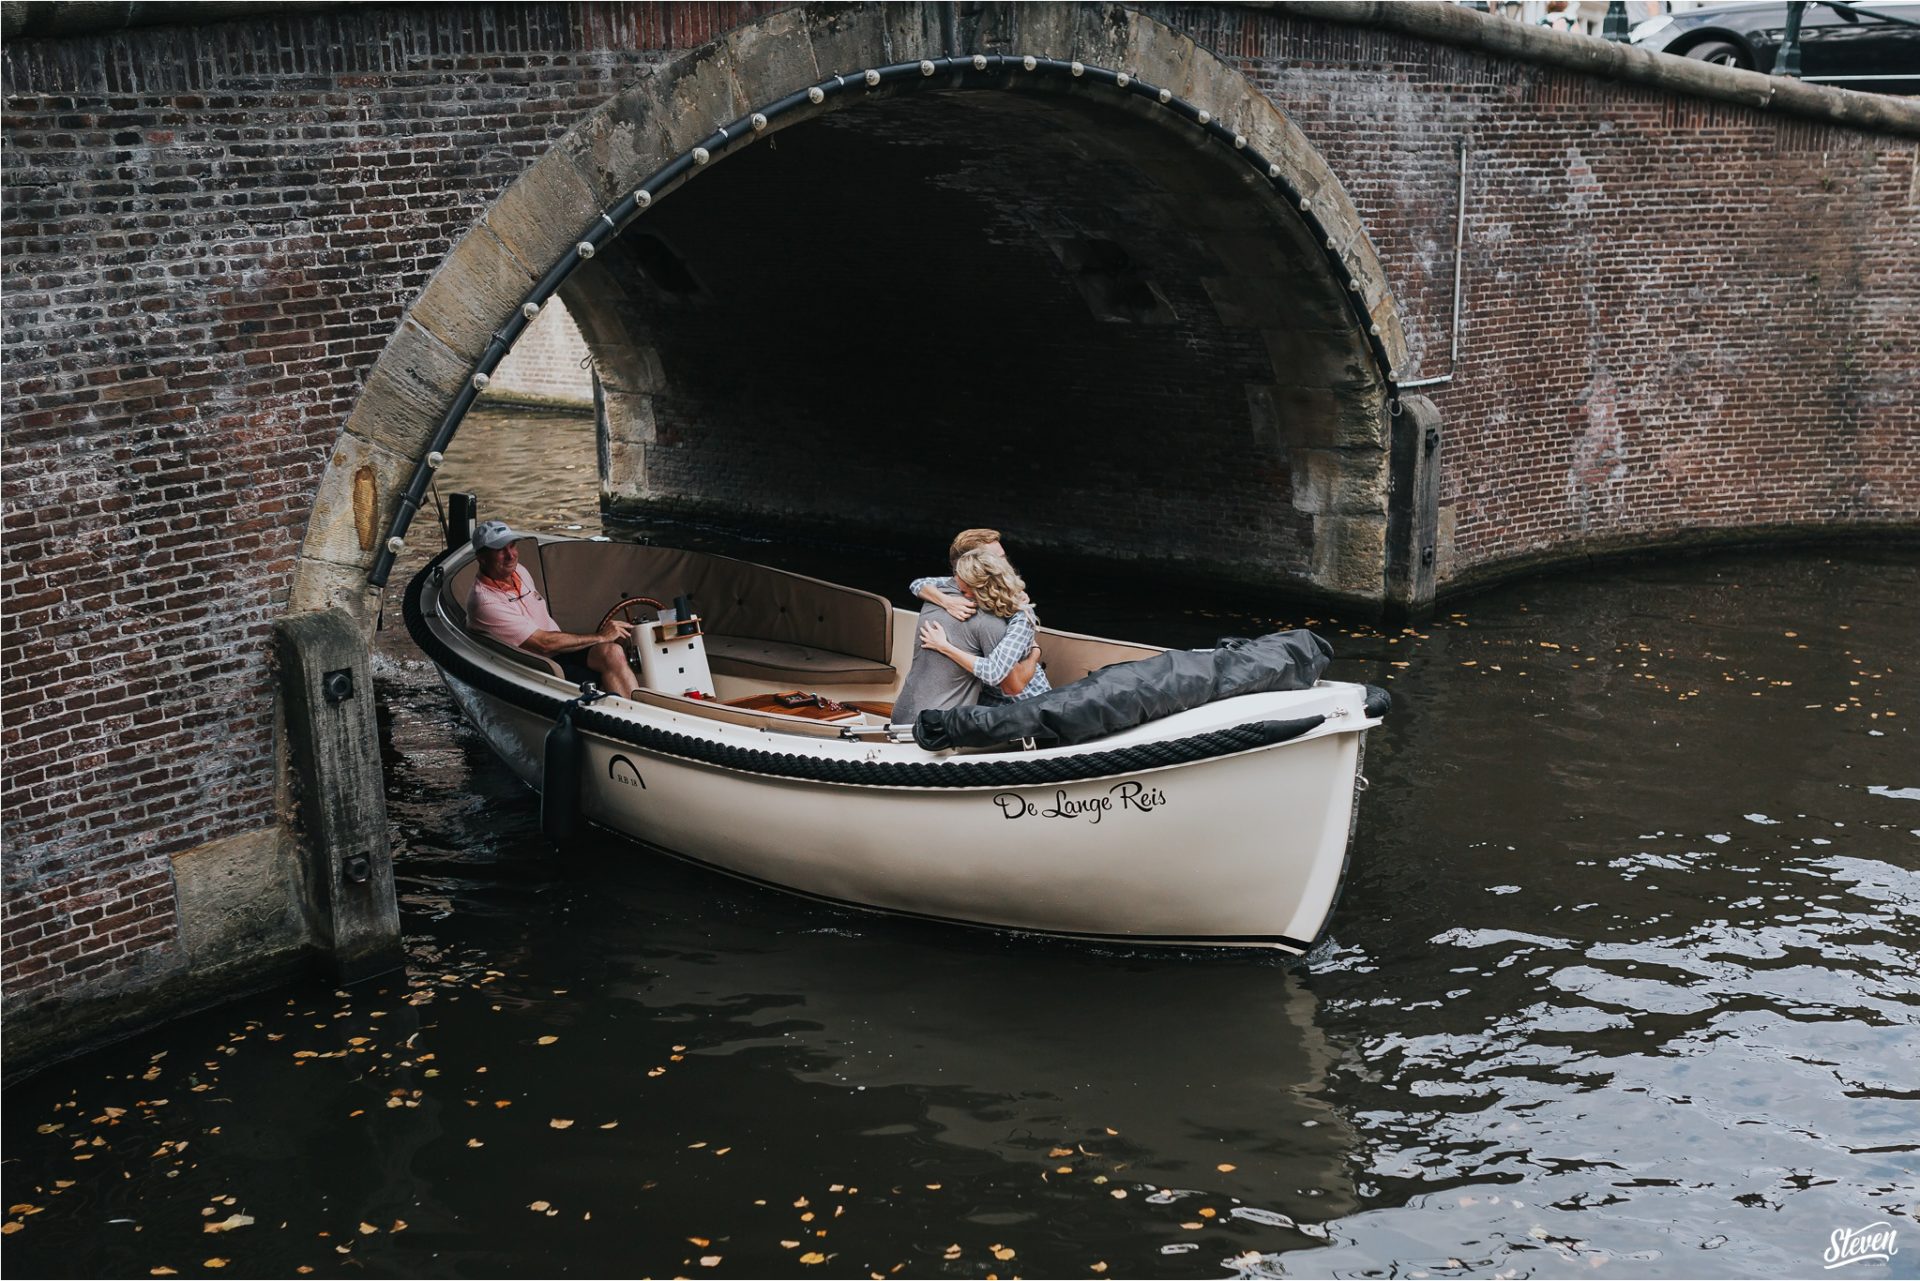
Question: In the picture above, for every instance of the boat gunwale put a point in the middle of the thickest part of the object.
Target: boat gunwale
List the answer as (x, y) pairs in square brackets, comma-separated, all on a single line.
[(1043, 767)]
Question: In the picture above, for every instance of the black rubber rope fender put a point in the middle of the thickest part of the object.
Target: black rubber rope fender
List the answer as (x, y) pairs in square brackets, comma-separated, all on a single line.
[(1017, 772)]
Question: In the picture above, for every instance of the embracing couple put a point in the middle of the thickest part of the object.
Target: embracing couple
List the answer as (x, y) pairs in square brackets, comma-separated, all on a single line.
[(977, 642)]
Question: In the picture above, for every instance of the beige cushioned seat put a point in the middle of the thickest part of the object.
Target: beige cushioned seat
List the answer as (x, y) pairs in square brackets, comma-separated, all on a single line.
[(760, 623), (779, 661)]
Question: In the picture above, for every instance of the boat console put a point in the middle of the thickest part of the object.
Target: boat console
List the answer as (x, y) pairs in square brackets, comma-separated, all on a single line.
[(672, 656)]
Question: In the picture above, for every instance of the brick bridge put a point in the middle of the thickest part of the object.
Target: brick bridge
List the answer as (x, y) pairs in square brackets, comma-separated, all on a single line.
[(1365, 302)]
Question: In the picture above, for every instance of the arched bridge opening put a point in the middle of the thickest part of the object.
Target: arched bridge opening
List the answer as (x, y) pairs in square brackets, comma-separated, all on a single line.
[(1032, 308), (1113, 301)]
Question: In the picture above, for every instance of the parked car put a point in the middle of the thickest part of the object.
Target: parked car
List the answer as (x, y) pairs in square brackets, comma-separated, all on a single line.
[(1846, 45)]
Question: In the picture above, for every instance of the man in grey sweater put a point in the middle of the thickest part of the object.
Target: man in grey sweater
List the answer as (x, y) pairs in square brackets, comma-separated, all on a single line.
[(934, 681)]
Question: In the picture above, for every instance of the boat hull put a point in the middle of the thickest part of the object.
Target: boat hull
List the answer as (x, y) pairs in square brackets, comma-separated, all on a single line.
[(1239, 850)]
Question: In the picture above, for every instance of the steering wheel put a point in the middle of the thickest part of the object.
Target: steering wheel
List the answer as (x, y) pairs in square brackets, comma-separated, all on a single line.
[(627, 609)]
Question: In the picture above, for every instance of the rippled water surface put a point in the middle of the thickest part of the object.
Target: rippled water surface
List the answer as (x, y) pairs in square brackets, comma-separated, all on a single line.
[(1624, 982)]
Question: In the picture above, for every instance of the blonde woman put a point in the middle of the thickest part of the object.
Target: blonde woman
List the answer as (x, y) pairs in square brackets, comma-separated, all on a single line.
[(988, 581)]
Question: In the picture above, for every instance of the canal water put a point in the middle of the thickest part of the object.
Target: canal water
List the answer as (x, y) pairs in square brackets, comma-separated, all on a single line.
[(1624, 983)]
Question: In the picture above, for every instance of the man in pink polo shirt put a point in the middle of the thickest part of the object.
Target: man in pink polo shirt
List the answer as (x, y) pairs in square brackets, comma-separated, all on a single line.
[(504, 605)]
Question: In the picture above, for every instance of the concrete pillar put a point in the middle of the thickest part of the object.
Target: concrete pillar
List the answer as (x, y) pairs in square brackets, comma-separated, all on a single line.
[(1413, 508), (338, 791)]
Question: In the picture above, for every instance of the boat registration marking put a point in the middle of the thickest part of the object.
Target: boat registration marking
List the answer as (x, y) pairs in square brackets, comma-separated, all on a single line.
[(1120, 798), (624, 772)]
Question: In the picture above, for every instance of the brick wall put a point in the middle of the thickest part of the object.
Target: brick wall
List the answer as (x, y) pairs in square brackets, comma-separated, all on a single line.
[(1678, 315), (548, 363), (210, 234)]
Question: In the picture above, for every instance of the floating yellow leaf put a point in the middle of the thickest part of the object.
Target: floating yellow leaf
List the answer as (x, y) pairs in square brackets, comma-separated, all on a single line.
[(1111, 1130), (560, 1123), (356, 1040), (702, 1242), (789, 1245), (1118, 1194), (801, 1204), (933, 1187), (1193, 1227), (610, 1125), (1060, 1152), (813, 1256), (162, 1271), (548, 1040), (214, 1263), (10, 1227), (367, 1229), (709, 1260), (1100, 1266), (51, 1127), (953, 1252), (657, 1071), (1226, 1167), (807, 1217), (1001, 1252), (475, 1143), (539, 1205), (228, 1224), (399, 1225), (1207, 1212)]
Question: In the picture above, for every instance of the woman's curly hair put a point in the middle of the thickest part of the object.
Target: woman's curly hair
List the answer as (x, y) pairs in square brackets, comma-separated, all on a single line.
[(1000, 591)]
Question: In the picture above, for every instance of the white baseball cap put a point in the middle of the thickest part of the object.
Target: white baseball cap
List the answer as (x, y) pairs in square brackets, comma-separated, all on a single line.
[(492, 535)]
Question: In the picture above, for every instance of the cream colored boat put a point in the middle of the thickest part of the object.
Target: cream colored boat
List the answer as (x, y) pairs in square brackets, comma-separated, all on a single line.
[(1226, 825)]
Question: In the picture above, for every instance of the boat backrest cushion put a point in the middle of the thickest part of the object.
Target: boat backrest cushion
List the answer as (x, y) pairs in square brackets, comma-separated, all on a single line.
[(1070, 655), (732, 597)]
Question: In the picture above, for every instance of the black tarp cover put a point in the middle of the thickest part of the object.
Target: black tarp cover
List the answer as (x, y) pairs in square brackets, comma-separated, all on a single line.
[(1128, 694)]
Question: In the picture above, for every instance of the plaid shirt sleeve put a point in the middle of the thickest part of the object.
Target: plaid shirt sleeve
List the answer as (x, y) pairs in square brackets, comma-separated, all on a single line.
[(992, 668), (946, 585)]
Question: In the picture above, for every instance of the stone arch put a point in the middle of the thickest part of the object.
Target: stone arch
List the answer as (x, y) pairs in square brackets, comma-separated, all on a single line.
[(801, 64)]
